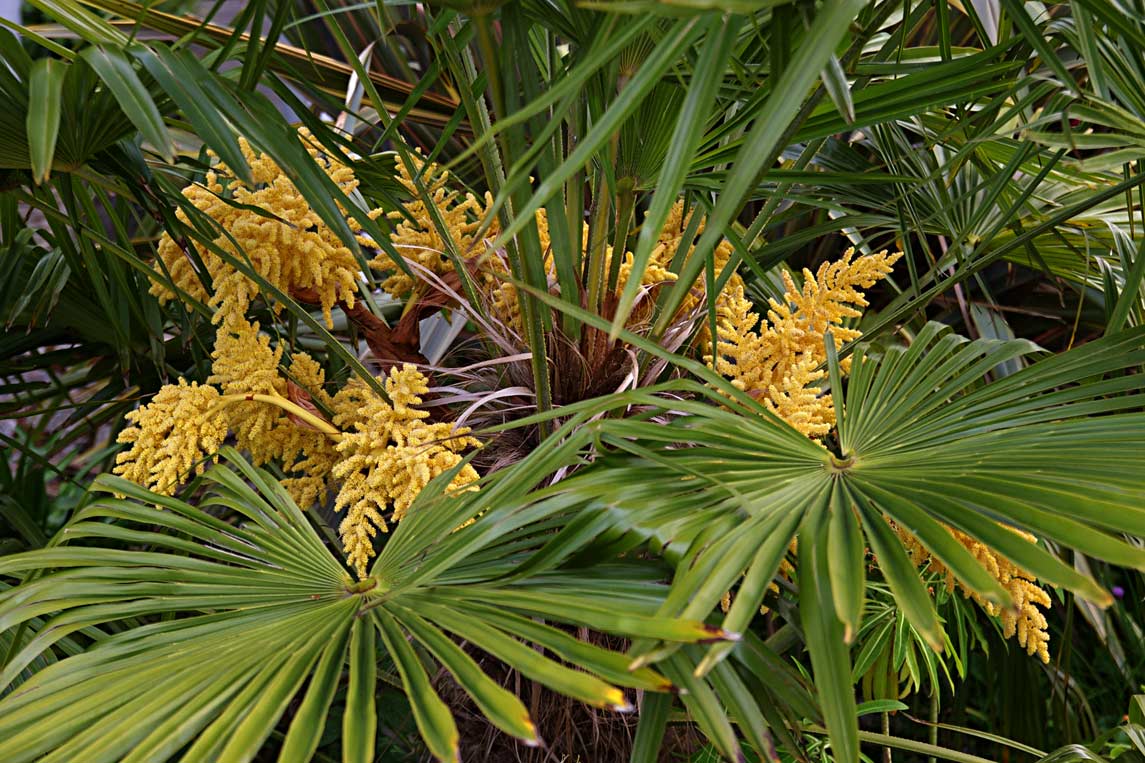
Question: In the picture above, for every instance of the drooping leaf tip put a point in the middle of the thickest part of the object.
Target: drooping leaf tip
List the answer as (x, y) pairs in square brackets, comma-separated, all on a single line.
[(615, 699), (532, 738)]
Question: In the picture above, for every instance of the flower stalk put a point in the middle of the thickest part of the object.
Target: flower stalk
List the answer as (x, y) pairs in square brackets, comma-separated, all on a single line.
[(314, 421)]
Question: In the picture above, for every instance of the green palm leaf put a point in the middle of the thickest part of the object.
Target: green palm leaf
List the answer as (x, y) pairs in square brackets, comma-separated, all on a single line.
[(926, 444), (266, 614)]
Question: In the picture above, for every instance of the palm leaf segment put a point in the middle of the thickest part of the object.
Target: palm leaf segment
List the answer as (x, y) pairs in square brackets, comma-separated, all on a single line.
[(275, 620), (1055, 448)]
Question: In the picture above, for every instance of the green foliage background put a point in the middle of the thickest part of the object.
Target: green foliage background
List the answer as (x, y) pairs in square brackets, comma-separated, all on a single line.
[(996, 142)]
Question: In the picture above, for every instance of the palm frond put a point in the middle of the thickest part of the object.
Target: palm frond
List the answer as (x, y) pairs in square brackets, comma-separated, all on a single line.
[(923, 444), (264, 614)]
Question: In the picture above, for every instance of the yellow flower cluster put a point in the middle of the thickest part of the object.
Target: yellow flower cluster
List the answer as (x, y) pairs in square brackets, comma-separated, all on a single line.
[(271, 227), (389, 454), (380, 455), (504, 301), (245, 365), (777, 363), (659, 270), (417, 239), (1024, 620), (377, 455), (171, 436)]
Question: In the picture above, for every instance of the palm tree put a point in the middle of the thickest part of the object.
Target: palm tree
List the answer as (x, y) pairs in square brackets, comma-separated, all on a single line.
[(627, 488)]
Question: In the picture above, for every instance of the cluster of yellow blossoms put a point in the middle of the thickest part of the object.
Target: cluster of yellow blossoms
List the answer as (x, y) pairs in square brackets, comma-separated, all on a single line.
[(388, 455), (1023, 620), (779, 363), (272, 228), (374, 455), (170, 436), (418, 240)]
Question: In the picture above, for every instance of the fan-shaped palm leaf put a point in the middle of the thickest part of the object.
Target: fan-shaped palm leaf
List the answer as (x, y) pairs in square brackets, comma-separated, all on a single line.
[(269, 615), (922, 443)]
